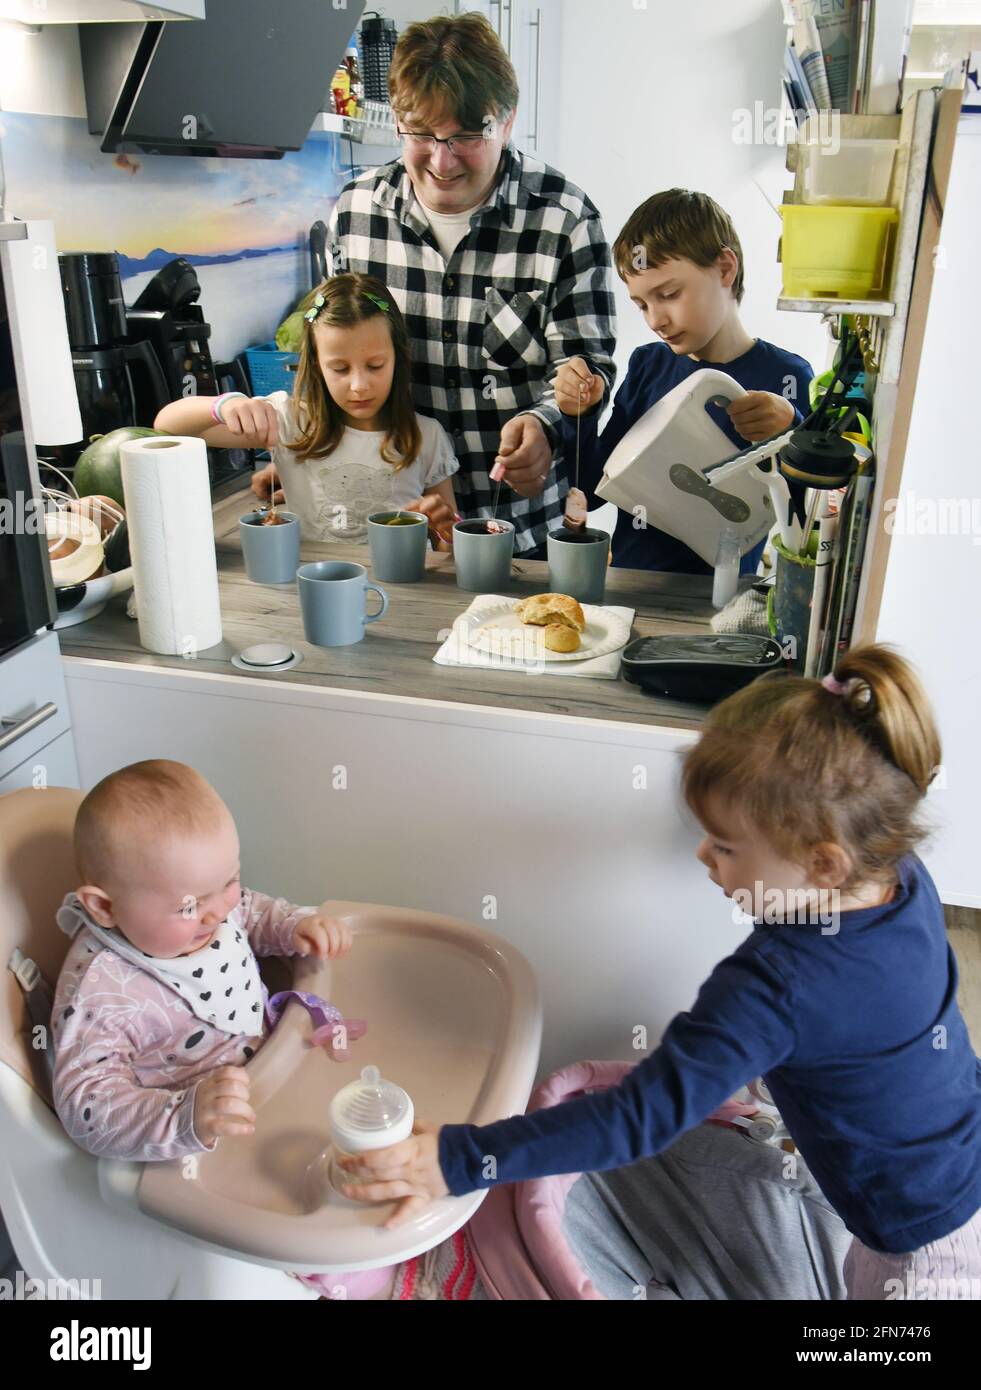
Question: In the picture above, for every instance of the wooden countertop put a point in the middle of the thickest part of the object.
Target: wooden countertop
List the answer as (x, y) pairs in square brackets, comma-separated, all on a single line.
[(395, 657)]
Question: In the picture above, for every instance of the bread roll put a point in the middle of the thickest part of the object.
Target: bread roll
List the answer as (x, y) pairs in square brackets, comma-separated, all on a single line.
[(542, 609), (559, 638)]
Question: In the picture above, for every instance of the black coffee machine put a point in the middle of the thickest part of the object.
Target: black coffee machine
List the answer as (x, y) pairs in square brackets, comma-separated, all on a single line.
[(118, 382), (167, 317)]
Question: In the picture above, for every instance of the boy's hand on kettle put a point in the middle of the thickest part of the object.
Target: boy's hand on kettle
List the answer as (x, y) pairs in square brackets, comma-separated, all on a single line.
[(408, 1173), (264, 480), (524, 459), (221, 1105), (439, 514), (323, 936), (760, 415), (577, 389)]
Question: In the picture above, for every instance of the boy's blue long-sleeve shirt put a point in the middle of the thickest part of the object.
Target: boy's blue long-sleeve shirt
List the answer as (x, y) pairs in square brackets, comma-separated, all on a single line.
[(652, 372), (861, 1043)]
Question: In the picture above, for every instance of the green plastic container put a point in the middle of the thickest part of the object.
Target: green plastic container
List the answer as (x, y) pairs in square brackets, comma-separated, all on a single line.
[(792, 594)]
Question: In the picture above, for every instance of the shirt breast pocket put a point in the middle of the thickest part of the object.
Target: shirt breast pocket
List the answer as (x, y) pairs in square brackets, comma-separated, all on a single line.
[(514, 329)]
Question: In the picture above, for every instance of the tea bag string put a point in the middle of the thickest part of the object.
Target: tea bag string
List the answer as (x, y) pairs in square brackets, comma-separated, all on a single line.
[(497, 498), (578, 429)]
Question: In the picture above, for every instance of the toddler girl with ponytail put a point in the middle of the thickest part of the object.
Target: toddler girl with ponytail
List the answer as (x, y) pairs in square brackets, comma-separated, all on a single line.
[(843, 997)]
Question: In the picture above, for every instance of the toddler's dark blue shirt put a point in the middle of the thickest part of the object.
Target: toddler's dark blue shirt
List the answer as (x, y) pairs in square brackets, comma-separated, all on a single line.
[(862, 1045)]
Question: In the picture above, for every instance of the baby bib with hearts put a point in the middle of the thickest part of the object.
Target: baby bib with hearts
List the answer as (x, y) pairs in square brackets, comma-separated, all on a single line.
[(220, 982)]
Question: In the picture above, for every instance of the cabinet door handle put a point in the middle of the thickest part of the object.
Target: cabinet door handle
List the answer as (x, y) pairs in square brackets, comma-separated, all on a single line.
[(536, 24), (17, 728)]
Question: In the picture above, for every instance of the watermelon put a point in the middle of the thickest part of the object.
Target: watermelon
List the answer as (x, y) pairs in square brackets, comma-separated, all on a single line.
[(98, 468)]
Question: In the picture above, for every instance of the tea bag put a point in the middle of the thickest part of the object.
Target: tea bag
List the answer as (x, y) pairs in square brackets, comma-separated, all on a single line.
[(576, 506), (576, 509)]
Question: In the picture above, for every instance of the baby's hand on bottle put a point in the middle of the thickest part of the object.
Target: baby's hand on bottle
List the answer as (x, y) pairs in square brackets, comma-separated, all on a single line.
[(255, 418), (326, 937), (264, 481), (439, 514), (221, 1105), (408, 1173), (760, 415), (577, 389)]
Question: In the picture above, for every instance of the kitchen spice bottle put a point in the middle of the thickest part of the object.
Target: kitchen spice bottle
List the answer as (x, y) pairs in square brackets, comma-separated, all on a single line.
[(340, 87), (356, 105)]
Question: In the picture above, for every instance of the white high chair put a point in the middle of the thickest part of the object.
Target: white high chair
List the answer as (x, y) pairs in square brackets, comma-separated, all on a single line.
[(466, 1000)]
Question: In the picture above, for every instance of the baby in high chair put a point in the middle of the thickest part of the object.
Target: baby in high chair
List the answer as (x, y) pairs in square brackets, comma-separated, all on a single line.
[(159, 1003)]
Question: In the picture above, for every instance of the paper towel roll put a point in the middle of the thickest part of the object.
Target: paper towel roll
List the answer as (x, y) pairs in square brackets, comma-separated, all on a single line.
[(172, 543)]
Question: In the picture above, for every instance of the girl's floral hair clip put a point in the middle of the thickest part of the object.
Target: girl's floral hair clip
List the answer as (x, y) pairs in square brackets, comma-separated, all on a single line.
[(382, 303), (318, 304)]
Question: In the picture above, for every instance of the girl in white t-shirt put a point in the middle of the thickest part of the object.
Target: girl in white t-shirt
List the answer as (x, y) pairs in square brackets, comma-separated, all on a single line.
[(348, 441)]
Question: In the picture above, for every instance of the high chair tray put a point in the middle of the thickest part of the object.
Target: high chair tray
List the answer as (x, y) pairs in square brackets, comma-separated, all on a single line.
[(452, 1015)]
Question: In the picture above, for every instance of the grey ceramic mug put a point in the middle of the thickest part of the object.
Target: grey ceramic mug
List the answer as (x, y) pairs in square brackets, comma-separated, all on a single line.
[(398, 552), (577, 563), (333, 594), (482, 560), (272, 553)]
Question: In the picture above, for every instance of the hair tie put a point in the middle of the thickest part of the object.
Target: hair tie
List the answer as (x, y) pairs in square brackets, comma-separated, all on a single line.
[(835, 686)]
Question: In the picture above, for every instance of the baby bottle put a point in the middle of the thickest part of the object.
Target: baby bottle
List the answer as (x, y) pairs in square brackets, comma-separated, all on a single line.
[(371, 1113)]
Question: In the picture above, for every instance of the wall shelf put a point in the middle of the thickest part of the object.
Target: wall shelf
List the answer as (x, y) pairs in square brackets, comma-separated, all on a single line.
[(361, 132), (881, 308)]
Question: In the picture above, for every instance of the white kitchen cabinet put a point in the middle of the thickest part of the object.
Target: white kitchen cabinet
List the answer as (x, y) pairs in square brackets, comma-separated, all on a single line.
[(36, 746), (529, 31), (563, 834)]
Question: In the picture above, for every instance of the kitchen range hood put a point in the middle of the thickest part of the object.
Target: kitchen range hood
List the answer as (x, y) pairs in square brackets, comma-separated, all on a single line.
[(35, 14), (246, 81)]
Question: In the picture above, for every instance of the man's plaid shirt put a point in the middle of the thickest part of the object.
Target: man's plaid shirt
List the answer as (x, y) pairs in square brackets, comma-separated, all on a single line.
[(527, 288)]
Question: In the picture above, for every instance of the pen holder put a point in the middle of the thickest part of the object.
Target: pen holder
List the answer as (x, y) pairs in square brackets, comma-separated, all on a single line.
[(792, 594)]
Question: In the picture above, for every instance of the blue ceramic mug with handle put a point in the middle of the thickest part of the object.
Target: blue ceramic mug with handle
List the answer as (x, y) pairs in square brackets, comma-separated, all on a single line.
[(333, 597)]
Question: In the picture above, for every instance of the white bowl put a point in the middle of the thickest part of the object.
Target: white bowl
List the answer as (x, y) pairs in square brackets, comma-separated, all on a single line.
[(79, 602)]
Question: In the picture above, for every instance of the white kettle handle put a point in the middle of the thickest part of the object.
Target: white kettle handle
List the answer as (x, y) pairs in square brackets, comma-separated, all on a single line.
[(709, 384)]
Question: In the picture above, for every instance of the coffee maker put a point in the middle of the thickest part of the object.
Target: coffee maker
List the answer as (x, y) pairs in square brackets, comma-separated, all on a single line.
[(167, 317), (118, 382)]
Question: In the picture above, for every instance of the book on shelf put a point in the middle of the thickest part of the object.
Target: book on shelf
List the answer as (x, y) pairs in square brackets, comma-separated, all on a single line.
[(830, 42), (802, 101), (853, 526)]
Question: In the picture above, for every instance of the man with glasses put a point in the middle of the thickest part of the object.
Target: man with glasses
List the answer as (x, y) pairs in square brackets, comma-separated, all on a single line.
[(499, 264)]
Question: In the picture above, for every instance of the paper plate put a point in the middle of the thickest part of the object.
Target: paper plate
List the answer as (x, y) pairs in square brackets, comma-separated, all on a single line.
[(500, 632)]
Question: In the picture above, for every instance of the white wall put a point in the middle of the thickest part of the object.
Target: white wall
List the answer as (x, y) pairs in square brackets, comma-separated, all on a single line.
[(933, 580), (648, 98)]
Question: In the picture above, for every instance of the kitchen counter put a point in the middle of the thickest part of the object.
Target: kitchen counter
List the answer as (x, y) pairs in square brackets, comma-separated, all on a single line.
[(395, 657)]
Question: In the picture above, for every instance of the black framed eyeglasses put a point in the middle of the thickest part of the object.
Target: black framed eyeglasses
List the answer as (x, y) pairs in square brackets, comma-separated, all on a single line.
[(464, 143)]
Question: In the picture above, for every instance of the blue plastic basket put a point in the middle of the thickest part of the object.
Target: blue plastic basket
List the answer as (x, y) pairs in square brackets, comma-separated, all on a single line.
[(271, 370)]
